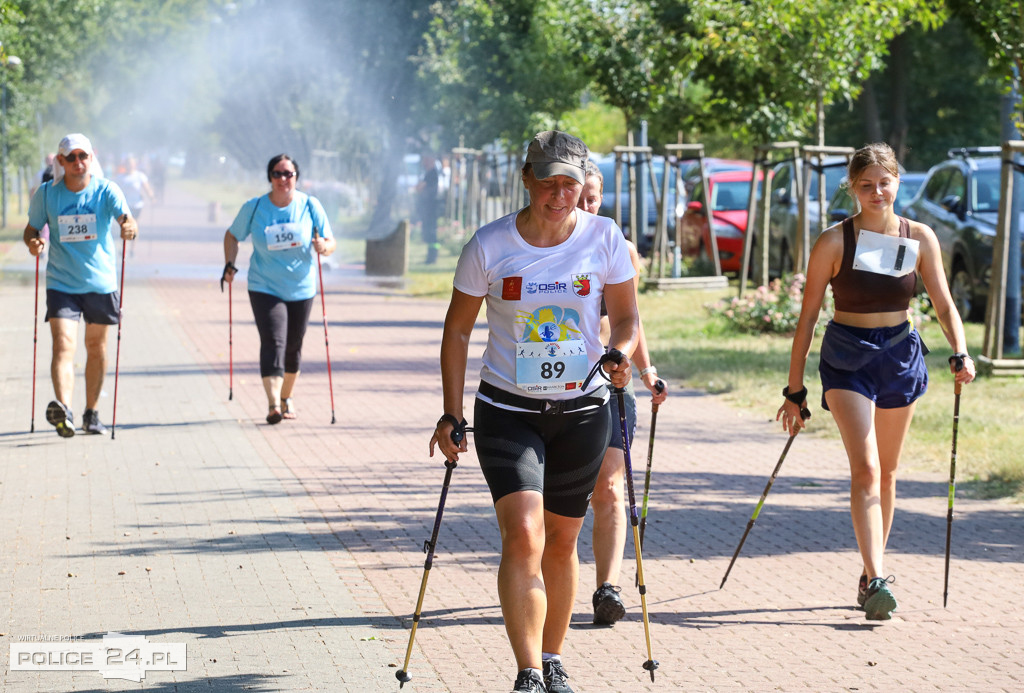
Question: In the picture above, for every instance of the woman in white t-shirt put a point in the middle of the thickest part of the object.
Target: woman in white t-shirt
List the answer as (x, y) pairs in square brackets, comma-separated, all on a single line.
[(541, 425)]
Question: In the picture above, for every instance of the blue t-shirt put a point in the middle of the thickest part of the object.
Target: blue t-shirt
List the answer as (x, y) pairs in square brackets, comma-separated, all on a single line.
[(82, 255), (282, 244)]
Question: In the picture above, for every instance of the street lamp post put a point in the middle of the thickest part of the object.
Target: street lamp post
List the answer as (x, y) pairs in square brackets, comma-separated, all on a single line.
[(7, 61)]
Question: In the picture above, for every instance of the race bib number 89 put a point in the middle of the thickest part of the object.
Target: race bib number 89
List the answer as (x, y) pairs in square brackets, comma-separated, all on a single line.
[(75, 228), (550, 366)]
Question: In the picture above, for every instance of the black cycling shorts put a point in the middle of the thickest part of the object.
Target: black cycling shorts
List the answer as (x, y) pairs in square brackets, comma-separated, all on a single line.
[(557, 455)]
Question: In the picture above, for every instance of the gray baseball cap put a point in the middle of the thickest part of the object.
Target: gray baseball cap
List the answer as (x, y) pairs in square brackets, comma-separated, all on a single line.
[(555, 153)]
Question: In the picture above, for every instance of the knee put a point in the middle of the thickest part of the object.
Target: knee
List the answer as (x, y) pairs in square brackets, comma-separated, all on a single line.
[(523, 539), (865, 472), (95, 346), (561, 541), (63, 345), (608, 494)]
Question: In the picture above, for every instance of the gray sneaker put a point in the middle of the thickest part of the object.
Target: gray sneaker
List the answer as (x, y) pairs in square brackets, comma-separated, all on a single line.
[(60, 417), (555, 678), (91, 422), (529, 682)]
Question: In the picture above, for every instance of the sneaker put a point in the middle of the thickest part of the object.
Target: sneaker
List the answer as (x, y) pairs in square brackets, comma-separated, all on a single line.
[(862, 591), (555, 678), (59, 416), (91, 422), (880, 602), (608, 606), (529, 681)]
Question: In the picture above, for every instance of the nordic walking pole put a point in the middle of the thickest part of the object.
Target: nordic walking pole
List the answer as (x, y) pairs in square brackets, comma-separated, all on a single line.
[(35, 342), (120, 319), (957, 362), (659, 385), (231, 322), (805, 414), (231, 347), (323, 309), (651, 664), (458, 433)]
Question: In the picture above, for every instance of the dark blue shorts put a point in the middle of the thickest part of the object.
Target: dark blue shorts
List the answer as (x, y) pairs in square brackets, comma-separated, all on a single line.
[(98, 309), (629, 398), (892, 378)]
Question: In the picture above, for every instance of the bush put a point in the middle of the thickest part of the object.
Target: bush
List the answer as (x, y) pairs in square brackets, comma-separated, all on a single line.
[(773, 309)]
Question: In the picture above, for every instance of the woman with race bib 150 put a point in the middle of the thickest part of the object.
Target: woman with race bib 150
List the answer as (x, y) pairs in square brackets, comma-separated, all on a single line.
[(287, 227), (541, 426)]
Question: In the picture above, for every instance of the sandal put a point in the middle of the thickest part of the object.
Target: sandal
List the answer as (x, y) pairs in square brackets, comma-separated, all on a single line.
[(288, 410), (275, 416)]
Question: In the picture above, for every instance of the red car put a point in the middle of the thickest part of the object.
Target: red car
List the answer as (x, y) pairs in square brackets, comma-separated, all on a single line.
[(730, 195)]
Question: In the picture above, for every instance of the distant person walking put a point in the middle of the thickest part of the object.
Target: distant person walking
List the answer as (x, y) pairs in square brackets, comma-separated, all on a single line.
[(872, 359), (135, 185), (287, 227), (427, 207), (608, 501), (81, 275), (541, 427)]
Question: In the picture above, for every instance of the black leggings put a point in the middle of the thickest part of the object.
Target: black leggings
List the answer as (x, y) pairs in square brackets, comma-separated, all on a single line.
[(282, 325)]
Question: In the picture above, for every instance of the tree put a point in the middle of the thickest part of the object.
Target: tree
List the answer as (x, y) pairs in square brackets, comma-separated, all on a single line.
[(773, 65), (999, 26)]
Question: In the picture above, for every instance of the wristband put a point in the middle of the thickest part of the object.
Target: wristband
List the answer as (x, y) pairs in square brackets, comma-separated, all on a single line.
[(458, 427), (957, 359), (797, 397), (224, 274), (450, 419), (649, 369)]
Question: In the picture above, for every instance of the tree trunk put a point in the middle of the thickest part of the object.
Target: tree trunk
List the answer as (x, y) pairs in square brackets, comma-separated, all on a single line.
[(869, 112), (821, 116), (899, 64)]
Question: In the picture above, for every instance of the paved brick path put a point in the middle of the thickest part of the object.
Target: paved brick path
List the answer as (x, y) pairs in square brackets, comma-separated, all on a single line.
[(289, 557)]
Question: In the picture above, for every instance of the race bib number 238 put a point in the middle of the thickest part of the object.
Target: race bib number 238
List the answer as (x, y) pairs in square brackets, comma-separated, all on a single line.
[(75, 228)]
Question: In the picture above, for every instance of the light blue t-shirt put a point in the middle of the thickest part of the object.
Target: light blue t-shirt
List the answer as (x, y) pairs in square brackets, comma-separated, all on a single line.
[(82, 255), (282, 244)]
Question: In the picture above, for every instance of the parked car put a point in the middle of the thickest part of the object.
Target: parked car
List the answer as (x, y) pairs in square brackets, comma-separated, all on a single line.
[(645, 239), (784, 217), (729, 194), (960, 202), (843, 205), (691, 170)]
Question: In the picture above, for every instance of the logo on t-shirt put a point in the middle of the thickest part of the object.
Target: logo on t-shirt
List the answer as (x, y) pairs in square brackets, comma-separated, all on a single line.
[(581, 284), (511, 288), (546, 288)]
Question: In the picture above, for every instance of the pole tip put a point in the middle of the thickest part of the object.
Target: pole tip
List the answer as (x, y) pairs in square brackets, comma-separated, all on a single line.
[(650, 665), (403, 678)]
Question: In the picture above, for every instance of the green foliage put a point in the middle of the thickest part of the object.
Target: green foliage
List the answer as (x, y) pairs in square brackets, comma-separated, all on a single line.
[(501, 69), (999, 26), (768, 62), (599, 125), (950, 99)]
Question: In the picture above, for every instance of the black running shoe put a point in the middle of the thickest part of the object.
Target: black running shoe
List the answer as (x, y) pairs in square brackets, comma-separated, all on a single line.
[(555, 678), (862, 591), (529, 681), (880, 602), (91, 422), (608, 606), (61, 418)]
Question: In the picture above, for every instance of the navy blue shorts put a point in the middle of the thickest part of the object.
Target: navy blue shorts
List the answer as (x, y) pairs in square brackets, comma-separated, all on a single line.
[(98, 309), (629, 398), (892, 378), (558, 455)]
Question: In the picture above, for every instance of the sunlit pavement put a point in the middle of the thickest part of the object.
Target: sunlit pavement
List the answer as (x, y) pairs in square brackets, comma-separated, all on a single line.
[(289, 557)]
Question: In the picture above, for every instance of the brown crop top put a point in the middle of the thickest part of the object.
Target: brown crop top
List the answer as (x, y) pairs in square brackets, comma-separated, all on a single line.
[(858, 291)]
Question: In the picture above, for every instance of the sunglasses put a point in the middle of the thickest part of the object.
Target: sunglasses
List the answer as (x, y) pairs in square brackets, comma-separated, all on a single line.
[(72, 157), (282, 174)]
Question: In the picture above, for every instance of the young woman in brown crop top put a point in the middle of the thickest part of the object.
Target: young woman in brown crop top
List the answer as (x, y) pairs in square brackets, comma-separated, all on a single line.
[(872, 366)]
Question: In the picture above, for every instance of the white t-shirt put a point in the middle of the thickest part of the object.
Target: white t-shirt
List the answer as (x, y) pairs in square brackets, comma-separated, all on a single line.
[(543, 304)]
